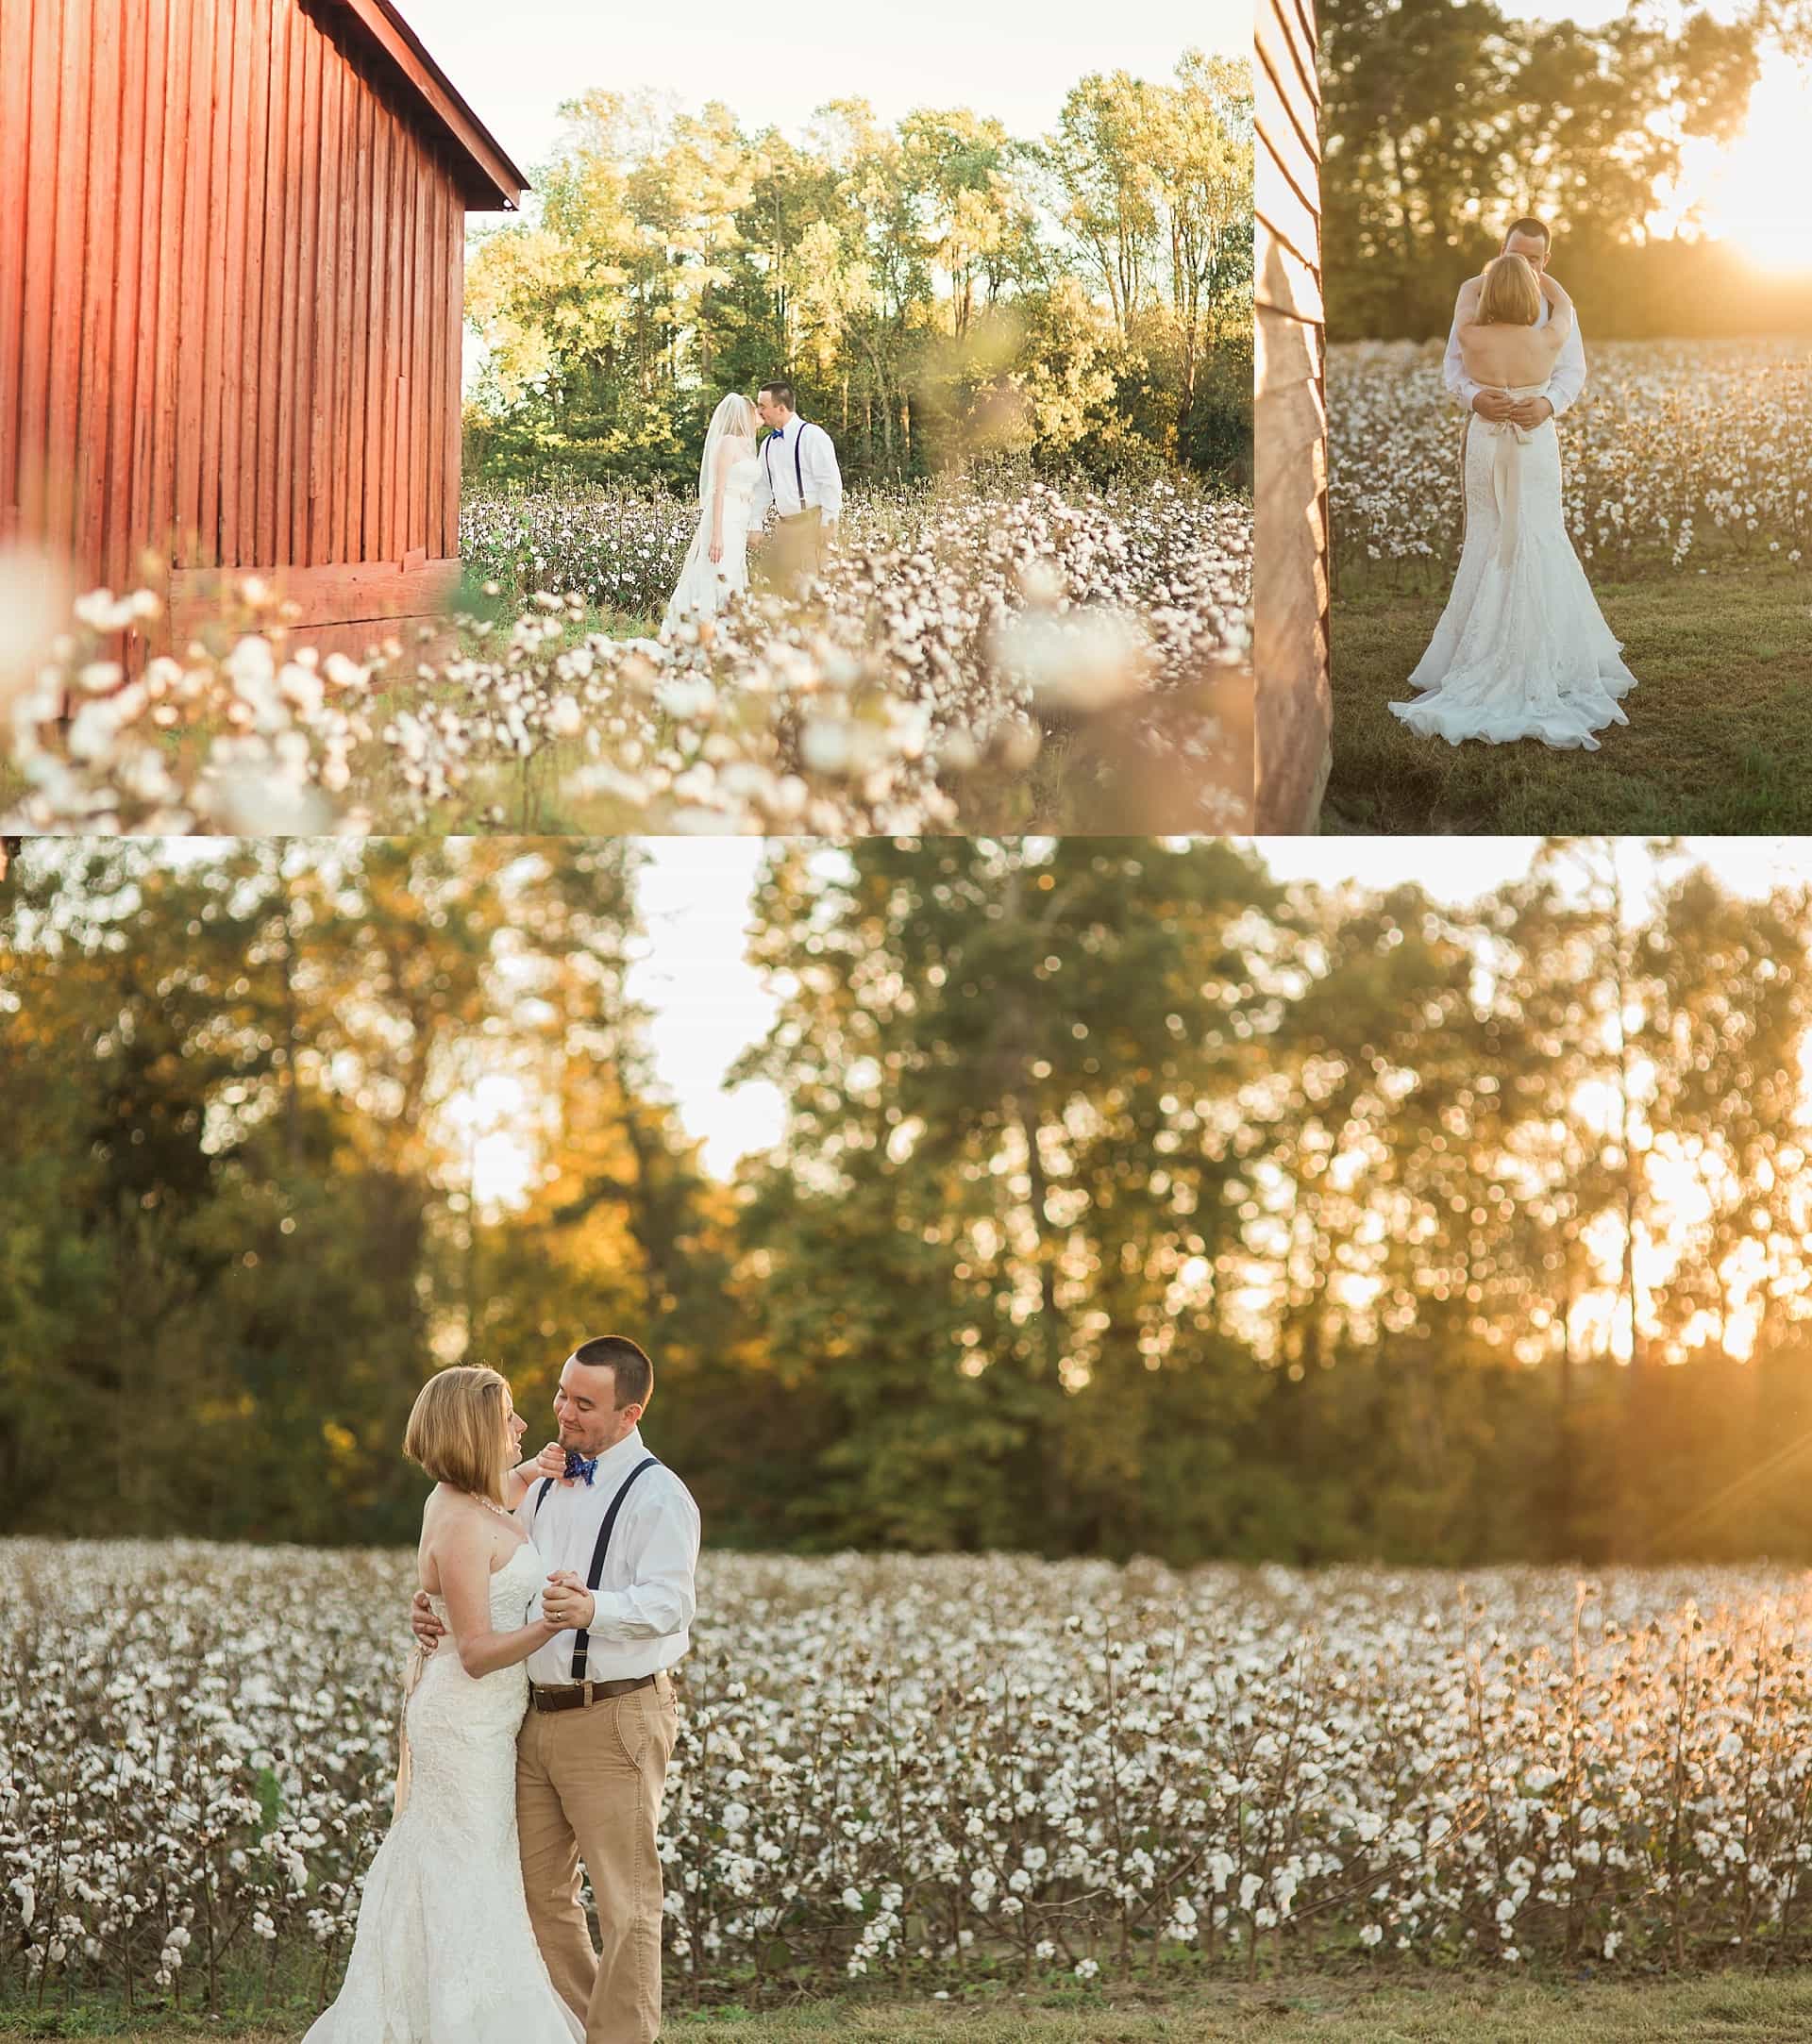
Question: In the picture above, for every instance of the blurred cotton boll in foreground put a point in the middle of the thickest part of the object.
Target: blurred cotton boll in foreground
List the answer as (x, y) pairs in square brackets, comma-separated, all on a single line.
[(36, 599), (1081, 661)]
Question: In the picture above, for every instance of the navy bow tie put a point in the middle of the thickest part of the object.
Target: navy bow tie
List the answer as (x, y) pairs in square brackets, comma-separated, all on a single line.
[(578, 1466)]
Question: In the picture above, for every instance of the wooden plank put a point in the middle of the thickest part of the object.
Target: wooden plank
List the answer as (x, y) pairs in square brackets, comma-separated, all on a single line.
[(168, 352), (433, 385), (289, 375), (212, 307), (1287, 174), (345, 86), (15, 182), (92, 437), (244, 52), (1286, 350), (301, 392), (118, 564), (373, 543), (70, 197), (405, 535), (1285, 217), (1290, 641), (142, 522), (352, 546), (253, 403), (389, 338), (1285, 282), (418, 319), (455, 380), (1283, 38), (30, 463), (335, 592), (197, 256), (330, 333), (270, 326), (418, 382)]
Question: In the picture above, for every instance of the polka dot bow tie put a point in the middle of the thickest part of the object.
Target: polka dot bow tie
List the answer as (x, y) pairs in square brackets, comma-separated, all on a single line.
[(578, 1466)]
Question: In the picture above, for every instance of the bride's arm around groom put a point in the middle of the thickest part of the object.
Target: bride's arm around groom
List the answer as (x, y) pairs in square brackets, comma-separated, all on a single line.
[(1563, 386)]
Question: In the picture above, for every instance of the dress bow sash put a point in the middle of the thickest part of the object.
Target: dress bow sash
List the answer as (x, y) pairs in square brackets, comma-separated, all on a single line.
[(411, 1675), (1507, 481)]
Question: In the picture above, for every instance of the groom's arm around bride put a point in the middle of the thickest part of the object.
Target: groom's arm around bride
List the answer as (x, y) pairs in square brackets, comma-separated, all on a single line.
[(1532, 240)]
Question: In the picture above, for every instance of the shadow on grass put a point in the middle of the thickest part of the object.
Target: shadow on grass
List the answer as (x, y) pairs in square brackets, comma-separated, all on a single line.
[(1718, 741)]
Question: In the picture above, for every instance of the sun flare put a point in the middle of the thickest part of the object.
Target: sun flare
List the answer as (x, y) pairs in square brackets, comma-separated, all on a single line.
[(1753, 190)]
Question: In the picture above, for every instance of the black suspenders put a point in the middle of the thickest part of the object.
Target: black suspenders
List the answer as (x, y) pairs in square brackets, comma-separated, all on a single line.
[(592, 1581), (798, 474)]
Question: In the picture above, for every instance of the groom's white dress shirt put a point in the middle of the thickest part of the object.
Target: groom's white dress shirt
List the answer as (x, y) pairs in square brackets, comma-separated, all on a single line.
[(1565, 385), (646, 1596), (778, 482)]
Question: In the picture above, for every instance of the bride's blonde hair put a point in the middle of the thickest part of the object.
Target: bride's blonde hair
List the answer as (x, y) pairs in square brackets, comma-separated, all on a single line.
[(735, 417), (458, 1432), (1511, 295)]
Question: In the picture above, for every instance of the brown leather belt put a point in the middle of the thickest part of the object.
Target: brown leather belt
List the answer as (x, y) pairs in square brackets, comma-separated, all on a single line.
[(576, 1696)]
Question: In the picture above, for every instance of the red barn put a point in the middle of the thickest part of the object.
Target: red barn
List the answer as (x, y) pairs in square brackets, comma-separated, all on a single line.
[(231, 288)]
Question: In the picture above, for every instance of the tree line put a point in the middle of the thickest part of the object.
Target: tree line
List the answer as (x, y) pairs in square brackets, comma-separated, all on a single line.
[(1128, 1201), (1442, 122), (939, 291)]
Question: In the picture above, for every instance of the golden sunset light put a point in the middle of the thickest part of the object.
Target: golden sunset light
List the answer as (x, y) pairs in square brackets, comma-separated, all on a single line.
[(1751, 192)]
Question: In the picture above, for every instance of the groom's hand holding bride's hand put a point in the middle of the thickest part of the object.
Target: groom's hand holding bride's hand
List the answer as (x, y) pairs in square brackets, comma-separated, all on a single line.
[(566, 1602)]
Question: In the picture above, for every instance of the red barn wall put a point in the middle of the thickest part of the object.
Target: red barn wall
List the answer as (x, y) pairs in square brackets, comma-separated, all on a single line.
[(231, 274)]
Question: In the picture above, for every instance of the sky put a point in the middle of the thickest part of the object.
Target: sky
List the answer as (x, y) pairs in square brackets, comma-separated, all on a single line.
[(709, 1004), (1013, 58)]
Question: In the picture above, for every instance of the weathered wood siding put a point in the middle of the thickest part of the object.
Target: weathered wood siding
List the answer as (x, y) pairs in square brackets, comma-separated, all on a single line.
[(1290, 640)]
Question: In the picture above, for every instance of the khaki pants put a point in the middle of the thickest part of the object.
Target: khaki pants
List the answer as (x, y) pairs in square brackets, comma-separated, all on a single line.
[(794, 549), (588, 1787)]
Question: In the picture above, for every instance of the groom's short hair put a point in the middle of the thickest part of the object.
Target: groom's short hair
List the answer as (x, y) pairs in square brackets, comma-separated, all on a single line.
[(631, 1372), (1527, 225), (782, 394)]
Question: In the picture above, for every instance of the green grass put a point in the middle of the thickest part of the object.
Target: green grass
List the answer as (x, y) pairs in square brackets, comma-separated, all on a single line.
[(1475, 2009), (1720, 737)]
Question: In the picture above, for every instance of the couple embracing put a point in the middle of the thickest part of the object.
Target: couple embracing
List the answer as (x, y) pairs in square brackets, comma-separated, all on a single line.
[(1522, 649), (793, 473), (538, 1720)]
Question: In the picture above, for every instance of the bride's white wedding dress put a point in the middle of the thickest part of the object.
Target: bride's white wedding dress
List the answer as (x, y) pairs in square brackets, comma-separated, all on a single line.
[(444, 1952), (705, 585), (1522, 649)]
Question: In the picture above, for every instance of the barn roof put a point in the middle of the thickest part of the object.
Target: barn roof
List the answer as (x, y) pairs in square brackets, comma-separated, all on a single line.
[(490, 181)]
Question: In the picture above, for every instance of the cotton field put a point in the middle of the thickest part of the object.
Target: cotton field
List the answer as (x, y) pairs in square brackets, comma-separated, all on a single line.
[(915, 1770), (1677, 456), (962, 654)]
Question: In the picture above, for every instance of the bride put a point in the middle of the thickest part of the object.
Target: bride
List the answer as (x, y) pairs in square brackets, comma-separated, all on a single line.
[(444, 1952), (716, 563), (1521, 650)]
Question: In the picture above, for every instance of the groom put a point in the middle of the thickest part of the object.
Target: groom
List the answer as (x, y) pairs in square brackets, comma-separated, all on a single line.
[(1530, 240), (800, 480), (622, 1534)]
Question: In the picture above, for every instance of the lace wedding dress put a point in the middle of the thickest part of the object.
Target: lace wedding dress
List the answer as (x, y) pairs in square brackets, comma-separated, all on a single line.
[(444, 1952), (705, 585), (1522, 649)]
